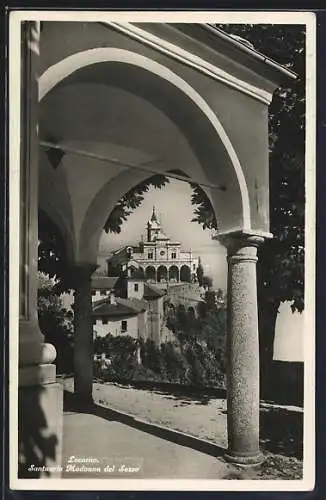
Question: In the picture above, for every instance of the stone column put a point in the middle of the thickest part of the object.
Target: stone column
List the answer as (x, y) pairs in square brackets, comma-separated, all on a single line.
[(83, 334), (242, 349), (40, 398)]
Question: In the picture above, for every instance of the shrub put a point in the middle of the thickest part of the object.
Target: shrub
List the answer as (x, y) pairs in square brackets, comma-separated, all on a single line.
[(194, 362), (151, 358), (122, 352), (176, 365), (143, 374), (55, 323)]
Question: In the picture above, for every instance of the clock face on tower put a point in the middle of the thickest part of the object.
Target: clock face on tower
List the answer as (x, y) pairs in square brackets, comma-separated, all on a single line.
[(162, 253)]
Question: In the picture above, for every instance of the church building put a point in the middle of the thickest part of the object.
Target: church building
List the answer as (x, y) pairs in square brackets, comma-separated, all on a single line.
[(159, 259)]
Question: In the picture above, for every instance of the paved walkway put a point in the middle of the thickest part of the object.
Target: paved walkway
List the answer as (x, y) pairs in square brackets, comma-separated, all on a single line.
[(202, 415), (115, 447), (139, 429)]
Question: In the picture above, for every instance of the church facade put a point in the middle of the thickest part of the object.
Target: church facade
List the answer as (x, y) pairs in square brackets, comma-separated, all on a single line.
[(159, 259)]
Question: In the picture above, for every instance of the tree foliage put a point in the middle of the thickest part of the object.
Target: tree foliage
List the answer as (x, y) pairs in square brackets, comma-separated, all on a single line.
[(56, 323), (203, 211), (195, 364), (130, 201), (207, 281), (281, 260), (280, 269), (208, 326), (200, 272), (52, 255), (122, 352)]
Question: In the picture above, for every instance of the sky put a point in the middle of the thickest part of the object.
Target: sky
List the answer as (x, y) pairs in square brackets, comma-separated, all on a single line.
[(174, 209)]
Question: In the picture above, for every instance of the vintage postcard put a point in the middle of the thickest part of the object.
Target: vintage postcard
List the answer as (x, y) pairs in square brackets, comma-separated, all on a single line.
[(162, 260)]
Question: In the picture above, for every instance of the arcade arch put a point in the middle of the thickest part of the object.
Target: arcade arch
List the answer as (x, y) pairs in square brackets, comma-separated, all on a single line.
[(150, 273), (185, 274), (174, 273), (162, 274), (177, 100), (95, 189)]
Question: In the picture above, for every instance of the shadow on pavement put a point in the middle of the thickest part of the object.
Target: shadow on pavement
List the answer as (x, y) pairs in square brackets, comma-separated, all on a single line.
[(72, 404), (179, 392), (281, 431), (37, 444)]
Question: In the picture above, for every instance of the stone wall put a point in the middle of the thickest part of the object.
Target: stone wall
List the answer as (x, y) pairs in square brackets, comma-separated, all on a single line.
[(187, 294)]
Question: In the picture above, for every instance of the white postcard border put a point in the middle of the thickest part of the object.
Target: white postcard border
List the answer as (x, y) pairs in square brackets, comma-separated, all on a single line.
[(300, 17)]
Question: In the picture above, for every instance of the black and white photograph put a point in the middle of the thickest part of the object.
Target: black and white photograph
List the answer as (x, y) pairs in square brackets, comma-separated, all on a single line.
[(162, 272)]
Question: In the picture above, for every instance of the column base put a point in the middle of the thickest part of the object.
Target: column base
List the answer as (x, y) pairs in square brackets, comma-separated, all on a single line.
[(245, 458), (81, 401)]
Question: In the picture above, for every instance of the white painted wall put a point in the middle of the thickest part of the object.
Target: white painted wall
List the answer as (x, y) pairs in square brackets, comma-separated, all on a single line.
[(114, 327), (98, 295), (155, 319), (132, 292), (143, 325)]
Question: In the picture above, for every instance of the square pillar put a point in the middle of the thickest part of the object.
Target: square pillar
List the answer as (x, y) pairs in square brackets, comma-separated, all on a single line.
[(40, 398)]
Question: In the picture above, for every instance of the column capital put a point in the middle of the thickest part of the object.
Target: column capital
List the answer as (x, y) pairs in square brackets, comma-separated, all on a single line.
[(237, 241)]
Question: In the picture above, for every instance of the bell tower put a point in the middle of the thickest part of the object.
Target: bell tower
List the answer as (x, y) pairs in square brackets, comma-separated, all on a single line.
[(153, 227)]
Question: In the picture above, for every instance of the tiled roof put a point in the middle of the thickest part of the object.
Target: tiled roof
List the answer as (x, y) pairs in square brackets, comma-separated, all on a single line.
[(100, 302), (137, 275), (118, 256), (104, 282), (151, 291), (122, 256), (113, 310), (121, 307), (137, 304), (123, 251)]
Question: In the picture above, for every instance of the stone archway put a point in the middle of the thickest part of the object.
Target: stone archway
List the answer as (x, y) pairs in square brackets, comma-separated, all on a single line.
[(208, 142), (191, 312), (162, 274), (185, 274), (226, 187), (173, 273), (67, 69), (150, 273), (132, 270)]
